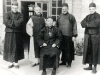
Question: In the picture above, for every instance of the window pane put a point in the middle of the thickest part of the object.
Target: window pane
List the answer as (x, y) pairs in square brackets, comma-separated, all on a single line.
[(54, 17), (53, 3), (8, 2), (59, 10), (53, 11), (39, 4), (44, 6), (59, 3), (8, 9), (45, 14)]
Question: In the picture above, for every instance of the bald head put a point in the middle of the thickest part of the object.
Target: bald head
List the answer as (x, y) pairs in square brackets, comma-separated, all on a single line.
[(37, 10)]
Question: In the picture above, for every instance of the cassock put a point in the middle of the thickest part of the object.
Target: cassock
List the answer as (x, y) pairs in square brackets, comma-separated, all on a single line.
[(68, 27), (91, 53), (13, 46), (34, 25), (49, 56)]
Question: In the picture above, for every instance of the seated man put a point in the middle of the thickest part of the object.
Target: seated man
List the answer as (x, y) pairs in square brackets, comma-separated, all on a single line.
[(49, 40)]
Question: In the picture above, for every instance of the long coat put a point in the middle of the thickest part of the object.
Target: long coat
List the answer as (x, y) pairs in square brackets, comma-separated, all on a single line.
[(91, 53), (68, 26), (34, 25), (49, 36), (13, 46)]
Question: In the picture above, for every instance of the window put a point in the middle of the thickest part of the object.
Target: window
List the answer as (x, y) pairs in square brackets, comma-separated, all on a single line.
[(56, 8), (8, 5), (44, 7)]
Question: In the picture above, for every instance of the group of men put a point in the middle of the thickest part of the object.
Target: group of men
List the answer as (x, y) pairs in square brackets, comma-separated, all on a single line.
[(67, 25)]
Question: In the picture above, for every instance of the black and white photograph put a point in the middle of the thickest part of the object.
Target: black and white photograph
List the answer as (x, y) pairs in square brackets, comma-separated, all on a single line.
[(49, 37)]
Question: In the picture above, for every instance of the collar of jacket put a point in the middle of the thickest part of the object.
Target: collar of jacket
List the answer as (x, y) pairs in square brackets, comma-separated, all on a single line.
[(13, 12), (38, 15), (66, 13), (93, 13)]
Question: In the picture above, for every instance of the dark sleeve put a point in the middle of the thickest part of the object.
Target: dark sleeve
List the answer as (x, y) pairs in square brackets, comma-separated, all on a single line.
[(95, 23), (58, 37), (8, 20), (40, 39), (84, 23), (19, 21), (74, 23)]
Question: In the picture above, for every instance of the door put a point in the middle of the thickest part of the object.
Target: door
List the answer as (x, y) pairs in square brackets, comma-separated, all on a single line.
[(44, 6), (26, 15)]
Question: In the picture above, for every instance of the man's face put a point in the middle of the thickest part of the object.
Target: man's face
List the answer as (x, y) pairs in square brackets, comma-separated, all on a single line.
[(14, 8), (49, 22), (38, 10), (92, 10), (64, 9)]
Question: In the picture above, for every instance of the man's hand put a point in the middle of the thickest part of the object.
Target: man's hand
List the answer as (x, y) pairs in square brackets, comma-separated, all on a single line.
[(74, 39), (44, 44), (54, 45)]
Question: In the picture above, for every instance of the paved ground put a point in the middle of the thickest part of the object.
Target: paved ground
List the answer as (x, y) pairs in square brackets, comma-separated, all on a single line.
[(26, 69)]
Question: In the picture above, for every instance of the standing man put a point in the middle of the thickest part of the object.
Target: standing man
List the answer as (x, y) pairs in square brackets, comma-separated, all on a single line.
[(91, 23), (68, 27), (34, 26), (13, 47)]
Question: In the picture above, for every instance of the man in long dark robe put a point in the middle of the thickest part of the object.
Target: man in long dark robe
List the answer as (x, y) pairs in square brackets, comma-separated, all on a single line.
[(13, 47), (68, 27), (91, 23), (34, 25), (49, 40)]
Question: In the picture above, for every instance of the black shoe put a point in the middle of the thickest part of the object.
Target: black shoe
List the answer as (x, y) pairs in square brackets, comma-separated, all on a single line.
[(94, 71), (62, 63), (68, 66), (88, 68), (17, 66), (53, 72), (10, 66), (35, 64), (44, 73)]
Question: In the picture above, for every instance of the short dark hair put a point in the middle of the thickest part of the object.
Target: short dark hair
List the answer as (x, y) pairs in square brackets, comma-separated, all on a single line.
[(64, 4)]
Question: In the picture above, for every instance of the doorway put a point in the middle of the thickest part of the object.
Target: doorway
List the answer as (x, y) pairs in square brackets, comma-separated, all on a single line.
[(25, 12)]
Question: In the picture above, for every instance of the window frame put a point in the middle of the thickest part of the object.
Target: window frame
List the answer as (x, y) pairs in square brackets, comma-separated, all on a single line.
[(56, 8)]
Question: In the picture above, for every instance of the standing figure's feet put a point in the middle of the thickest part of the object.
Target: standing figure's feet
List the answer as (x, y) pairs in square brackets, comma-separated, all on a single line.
[(44, 73), (53, 72), (10, 66), (69, 66), (88, 68), (94, 71), (63, 63), (35, 64), (17, 66)]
